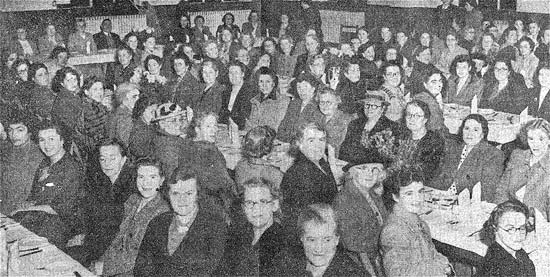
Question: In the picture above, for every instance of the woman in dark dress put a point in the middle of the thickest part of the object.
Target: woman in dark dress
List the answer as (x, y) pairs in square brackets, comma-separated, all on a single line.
[(507, 228)]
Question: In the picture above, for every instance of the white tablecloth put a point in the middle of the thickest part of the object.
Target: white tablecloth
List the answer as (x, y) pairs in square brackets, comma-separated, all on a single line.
[(470, 219), (50, 262), (92, 59), (503, 127)]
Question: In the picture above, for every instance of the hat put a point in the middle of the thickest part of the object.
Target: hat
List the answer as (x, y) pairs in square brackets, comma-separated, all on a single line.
[(168, 110), (377, 95)]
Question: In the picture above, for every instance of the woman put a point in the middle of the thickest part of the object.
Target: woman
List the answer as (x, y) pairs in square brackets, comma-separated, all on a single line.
[(507, 229), (363, 34), (228, 22), (203, 157), (247, 42), (153, 82), (309, 180), (313, 48), (201, 33), (286, 60), (95, 115), (131, 40), (487, 46), (67, 107), (508, 49), (124, 69), (143, 131), (405, 240), (526, 62), (253, 244), (268, 107), (362, 214), (463, 85), (471, 161), (421, 66), (368, 66), (425, 41), (526, 177), (265, 60), (431, 95), (285, 27), (257, 145), (358, 146), (49, 41), (149, 48), (228, 47), (394, 88), (139, 210), (43, 97), (520, 27), (254, 26), (334, 121), (539, 105), (210, 100), (184, 33), (428, 146), (506, 92), (449, 53)]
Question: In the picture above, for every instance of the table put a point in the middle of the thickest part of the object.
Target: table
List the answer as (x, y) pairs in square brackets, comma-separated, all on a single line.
[(503, 127), (470, 220), (106, 57), (50, 262)]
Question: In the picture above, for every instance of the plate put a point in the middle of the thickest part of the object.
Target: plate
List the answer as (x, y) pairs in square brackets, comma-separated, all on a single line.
[(485, 111)]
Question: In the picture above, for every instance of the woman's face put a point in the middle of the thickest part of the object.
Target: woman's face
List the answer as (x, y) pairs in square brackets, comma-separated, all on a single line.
[(153, 67), (41, 77), (313, 144), (184, 22), (425, 56), (425, 40), (269, 47), (373, 108), (148, 181), (264, 61), (544, 77), (180, 67), (487, 42), (189, 52), (124, 58), (227, 36), (199, 22), (392, 76), (254, 17), (411, 198), (305, 90), (96, 92), (208, 129), (512, 37), (266, 84), (501, 71), (353, 73), (242, 56), (132, 42), (369, 53), (519, 25), (311, 45), (538, 142), (328, 104), (284, 19), (472, 133), (463, 69), (50, 30), (150, 44), (415, 118), (70, 82), (511, 231), (525, 48), (286, 46), (434, 84), (228, 19), (385, 33), (259, 206), (451, 41), (363, 36), (246, 40), (209, 75), (23, 71), (365, 176), (211, 50), (391, 54)]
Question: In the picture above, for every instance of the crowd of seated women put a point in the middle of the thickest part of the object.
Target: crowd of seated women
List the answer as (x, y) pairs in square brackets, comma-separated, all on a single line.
[(125, 171)]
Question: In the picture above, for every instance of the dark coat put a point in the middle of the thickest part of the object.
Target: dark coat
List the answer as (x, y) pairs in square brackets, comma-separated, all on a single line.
[(512, 99), (210, 100), (102, 42), (197, 255), (353, 151), (198, 35), (241, 107), (294, 117), (484, 164), (117, 74), (534, 110), (66, 110), (294, 264), (166, 149), (436, 122), (41, 102), (304, 183), (473, 86), (498, 262), (249, 28), (186, 92), (141, 139), (241, 258), (429, 152), (350, 93)]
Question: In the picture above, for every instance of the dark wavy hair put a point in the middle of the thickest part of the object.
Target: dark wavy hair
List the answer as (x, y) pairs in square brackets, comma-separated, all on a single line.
[(479, 119), (258, 142), (461, 59), (148, 161), (490, 226), (60, 75), (152, 57), (34, 68)]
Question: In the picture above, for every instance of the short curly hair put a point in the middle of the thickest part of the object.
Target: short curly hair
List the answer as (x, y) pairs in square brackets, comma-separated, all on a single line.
[(258, 142)]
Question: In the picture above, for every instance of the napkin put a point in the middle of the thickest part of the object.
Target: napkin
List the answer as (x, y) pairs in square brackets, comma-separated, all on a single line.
[(473, 105), (476, 193), (464, 197), (524, 116)]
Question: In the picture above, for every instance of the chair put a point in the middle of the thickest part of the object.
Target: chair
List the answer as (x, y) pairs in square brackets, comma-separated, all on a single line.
[(347, 32)]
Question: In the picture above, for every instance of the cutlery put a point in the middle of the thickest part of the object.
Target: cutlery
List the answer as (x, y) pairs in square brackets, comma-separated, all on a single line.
[(30, 253)]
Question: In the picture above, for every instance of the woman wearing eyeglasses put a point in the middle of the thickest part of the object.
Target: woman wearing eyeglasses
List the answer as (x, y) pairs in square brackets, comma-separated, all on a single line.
[(526, 177), (429, 146), (254, 243), (358, 147), (507, 229), (506, 91)]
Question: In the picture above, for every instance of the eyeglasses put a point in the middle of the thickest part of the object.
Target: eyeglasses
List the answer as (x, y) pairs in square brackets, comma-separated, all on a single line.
[(393, 74), (414, 116), (326, 103), (522, 230), (249, 204), (372, 106), (501, 69)]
